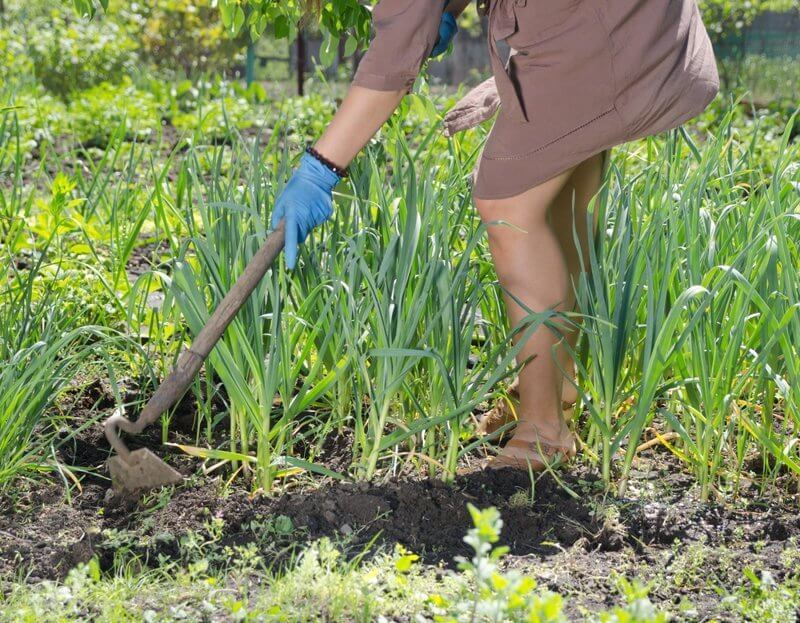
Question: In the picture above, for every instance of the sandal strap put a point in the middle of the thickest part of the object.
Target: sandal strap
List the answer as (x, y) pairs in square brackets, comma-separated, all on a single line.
[(545, 443), (503, 460), (523, 443), (542, 447)]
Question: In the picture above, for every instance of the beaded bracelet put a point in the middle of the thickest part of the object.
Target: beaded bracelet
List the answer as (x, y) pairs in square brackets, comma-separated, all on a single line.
[(341, 172)]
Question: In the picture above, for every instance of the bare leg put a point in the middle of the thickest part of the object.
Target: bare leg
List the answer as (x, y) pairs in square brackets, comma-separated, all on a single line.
[(570, 207), (538, 267), (530, 264)]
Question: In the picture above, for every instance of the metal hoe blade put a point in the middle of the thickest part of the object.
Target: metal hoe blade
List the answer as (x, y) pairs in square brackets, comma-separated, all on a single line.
[(141, 469)]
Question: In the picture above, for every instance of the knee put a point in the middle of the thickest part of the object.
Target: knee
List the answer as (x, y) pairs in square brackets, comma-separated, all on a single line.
[(505, 246), (506, 235), (488, 209), (491, 210)]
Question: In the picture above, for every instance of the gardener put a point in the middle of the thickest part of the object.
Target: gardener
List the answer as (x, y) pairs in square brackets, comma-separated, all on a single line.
[(581, 77)]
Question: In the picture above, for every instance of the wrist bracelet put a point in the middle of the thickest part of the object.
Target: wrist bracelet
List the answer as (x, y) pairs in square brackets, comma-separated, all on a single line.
[(340, 171)]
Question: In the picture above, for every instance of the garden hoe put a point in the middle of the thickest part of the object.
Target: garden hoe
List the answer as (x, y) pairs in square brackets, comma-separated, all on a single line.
[(142, 469)]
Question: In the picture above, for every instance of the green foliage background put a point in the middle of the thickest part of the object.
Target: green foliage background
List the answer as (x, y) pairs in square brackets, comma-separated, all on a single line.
[(722, 17), (184, 38)]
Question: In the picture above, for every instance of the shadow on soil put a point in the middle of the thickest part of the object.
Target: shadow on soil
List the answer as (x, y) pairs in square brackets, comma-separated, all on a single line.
[(571, 535)]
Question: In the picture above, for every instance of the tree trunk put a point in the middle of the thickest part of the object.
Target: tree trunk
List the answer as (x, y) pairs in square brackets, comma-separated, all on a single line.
[(339, 51), (301, 62), (356, 60)]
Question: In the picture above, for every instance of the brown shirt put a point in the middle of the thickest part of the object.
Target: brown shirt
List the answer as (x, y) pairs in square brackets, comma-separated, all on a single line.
[(582, 76), (405, 34)]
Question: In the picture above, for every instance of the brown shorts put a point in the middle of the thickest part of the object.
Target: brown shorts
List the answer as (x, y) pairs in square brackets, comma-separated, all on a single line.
[(583, 76)]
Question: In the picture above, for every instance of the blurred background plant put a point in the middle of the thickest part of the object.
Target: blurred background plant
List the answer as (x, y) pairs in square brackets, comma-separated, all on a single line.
[(183, 37), (64, 53)]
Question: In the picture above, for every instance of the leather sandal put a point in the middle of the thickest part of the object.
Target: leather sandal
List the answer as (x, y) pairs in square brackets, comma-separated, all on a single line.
[(535, 455), (504, 412)]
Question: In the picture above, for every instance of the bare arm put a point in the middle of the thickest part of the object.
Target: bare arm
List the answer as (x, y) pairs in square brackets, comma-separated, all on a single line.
[(364, 110), (361, 114)]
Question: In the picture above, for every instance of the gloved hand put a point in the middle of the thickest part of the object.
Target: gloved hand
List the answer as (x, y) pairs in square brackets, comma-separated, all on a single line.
[(305, 202), (447, 30)]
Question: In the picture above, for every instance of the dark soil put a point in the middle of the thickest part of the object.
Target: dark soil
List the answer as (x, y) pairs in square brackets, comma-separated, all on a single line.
[(147, 256), (571, 542)]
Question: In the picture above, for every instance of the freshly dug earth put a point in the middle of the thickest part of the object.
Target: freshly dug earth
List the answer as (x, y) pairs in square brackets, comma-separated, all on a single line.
[(571, 535), (571, 543)]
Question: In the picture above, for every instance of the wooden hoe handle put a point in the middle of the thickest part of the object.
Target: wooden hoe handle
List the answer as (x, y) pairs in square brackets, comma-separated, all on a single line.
[(190, 361)]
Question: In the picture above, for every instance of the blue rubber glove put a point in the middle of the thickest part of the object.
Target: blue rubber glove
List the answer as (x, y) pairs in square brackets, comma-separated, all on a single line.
[(306, 201), (447, 30)]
